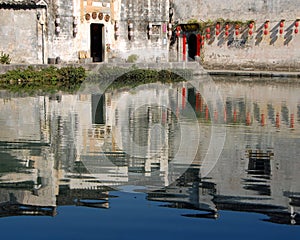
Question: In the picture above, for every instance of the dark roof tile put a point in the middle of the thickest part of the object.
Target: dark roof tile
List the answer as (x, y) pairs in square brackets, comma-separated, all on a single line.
[(17, 3)]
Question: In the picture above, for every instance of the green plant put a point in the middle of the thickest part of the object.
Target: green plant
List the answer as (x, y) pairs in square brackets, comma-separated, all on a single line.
[(193, 21), (49, 79), (71, 75), (211, 23), (4, 58), (132, 58)]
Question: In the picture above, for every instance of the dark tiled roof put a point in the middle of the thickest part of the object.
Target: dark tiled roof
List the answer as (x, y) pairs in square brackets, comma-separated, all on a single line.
[(17, 3)]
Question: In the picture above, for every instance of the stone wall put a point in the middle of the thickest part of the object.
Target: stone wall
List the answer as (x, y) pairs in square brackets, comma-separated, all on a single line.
[(121, 13), (20, 35), (140, 14), (271, 51), (63, 44), (258, 10), (115, 31)]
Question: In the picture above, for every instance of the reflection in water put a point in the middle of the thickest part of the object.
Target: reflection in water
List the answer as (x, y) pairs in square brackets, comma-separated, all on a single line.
[(74, 149)]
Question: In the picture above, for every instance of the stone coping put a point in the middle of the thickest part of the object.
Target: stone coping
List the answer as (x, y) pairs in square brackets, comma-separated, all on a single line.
[(270, 74)]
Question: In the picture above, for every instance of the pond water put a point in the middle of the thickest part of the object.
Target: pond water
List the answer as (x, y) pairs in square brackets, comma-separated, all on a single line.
[(216, 159)]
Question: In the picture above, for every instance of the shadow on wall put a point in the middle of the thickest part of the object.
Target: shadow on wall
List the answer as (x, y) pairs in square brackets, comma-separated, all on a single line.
[(223, 38), (274, 34), (289, 34), (237, 42), (238, 37), (259, 36)]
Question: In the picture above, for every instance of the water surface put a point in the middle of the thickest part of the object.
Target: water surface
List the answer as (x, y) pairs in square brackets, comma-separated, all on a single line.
[(129, 163)]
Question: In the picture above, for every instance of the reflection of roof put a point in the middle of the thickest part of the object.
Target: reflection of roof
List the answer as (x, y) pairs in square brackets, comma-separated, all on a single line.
[(294, 198), (283, 218), (247, 207), (69, 197), (9, 209), (276, 214)]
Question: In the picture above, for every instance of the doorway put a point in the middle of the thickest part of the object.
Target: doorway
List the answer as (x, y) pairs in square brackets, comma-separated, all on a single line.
[(97, 42), (192, 43)]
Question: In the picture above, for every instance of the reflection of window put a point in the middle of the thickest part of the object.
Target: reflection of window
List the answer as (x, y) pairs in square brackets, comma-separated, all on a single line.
[(261, 188), (256, 112), (285, 114), (259, 170), (259, 162), (98, 109)]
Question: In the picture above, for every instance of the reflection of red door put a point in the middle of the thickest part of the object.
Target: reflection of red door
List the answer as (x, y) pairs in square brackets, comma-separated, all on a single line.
[(198, 45), (97, 42)]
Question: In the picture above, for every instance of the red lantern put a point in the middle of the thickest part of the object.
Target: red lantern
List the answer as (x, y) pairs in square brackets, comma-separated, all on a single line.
[(237, 32), (281, 24), (217, 32), (250, 32), (207, 36), (266, 32), (281, 31), (226, 33), (227, 26), (218, 26), (297, 24), (266, 25), (251, 25), (296, 31), (202, 43), (208, 30)]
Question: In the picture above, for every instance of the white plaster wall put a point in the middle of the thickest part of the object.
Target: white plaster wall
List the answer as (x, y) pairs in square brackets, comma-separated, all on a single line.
[(20, 35), (272, 52)]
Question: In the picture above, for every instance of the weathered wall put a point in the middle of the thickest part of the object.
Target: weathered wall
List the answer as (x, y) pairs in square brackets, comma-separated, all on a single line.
[(259, 10), (141, 13), (121, 12), (20, 35), (21, 32), (62, 44), (273, 51)]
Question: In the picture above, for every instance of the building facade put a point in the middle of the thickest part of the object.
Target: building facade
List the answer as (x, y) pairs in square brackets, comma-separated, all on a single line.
[(269, 43), (34, 32), (83, 31)]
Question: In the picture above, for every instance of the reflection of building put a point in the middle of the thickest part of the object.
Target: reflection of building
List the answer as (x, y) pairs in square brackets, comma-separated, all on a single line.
[(188, 192), (258, 161), (246, 104), (60, 148), (235, 188)]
